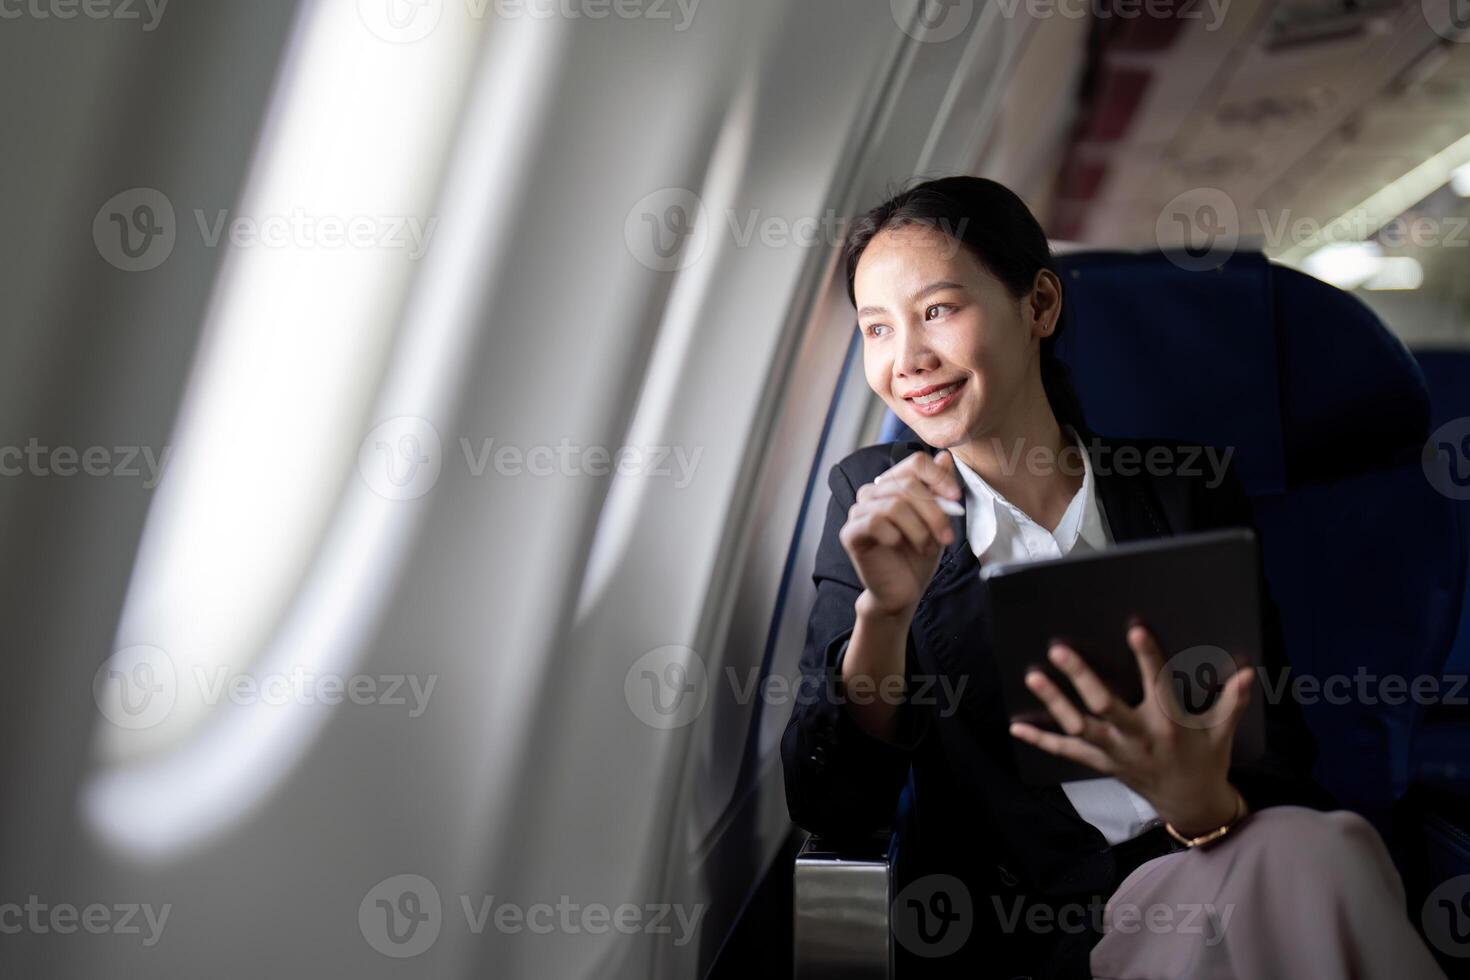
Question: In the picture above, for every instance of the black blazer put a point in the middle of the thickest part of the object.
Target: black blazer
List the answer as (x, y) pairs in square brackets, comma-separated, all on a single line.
[(970, 815)]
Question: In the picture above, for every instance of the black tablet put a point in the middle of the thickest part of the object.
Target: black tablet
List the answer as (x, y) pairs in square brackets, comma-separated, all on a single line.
[(1198, 593)]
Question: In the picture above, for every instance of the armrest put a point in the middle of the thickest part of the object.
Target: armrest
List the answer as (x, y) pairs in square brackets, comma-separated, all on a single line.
[(1440, 750), (841, 898), (1432, 831)]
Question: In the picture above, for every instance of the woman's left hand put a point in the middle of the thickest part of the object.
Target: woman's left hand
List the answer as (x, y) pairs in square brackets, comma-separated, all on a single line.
[(1180, 769)]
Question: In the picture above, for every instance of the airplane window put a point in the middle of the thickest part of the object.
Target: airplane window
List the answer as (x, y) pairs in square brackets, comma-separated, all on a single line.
[(277, 522), (524, 577)]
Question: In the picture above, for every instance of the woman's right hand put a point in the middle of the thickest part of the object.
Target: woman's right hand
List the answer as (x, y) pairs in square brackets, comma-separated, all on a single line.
[(895, 532)]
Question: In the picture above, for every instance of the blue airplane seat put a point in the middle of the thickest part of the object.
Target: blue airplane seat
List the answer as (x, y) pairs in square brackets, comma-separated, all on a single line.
[(1327, 413), (1442, 744), (892, 429), (1435, 819), (1448, 373)]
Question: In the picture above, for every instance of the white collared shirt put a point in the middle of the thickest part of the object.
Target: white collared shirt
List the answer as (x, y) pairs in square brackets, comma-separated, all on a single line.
[(998, 531)]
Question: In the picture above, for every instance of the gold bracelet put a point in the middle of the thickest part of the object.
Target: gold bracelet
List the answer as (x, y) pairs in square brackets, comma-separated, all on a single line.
[(1213, 835)]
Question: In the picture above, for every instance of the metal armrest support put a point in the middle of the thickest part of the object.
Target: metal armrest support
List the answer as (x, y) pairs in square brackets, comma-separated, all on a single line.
[(841, 899)]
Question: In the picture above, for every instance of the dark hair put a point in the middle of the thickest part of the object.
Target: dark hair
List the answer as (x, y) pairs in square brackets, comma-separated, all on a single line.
[(997, 227)]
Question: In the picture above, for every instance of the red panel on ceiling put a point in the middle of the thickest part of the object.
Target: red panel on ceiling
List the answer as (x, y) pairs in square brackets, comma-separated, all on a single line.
[(1119, 92), (1146, 25), (1081, 179)]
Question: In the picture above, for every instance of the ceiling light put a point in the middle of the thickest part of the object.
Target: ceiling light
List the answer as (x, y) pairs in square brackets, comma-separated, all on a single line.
[(1381, 207), (1346, 265), (1397, 272)]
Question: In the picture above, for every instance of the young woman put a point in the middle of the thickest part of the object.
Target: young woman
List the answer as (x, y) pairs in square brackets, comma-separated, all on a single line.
[(1173, 862)]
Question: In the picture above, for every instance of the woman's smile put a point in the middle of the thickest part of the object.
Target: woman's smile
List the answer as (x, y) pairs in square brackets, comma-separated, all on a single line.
[(934, 399)]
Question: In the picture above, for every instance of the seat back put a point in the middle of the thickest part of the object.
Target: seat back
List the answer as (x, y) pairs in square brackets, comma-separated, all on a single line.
[(1447, 372), (1327, 413), (1441, 750)]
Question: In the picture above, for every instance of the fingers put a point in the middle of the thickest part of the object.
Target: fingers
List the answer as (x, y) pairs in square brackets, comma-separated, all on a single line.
[(1095, 694), (936, 474), (1200, 688), (941, 476), (1235, 698), (1066, 746), (909, 504), (1061, 708), (1064, 711), (889, 525), (864, 531), (1150, 659)]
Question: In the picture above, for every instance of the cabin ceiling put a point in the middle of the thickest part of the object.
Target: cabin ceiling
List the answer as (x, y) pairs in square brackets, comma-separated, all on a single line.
[(1296, 111)]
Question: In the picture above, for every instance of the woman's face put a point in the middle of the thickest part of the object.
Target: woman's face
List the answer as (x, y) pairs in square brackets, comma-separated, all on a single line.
[(945, 345)]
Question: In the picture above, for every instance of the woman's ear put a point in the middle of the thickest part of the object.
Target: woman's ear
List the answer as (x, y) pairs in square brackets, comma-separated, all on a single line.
[(1044, 303)]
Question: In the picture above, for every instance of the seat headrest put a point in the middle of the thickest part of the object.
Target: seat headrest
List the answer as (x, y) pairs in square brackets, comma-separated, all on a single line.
[(1156, 350), (1301, 378), (1352, 394), (1447, 372)]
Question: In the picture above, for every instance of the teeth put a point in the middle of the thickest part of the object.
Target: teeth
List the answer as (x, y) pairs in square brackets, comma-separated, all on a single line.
[(935, 396)]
